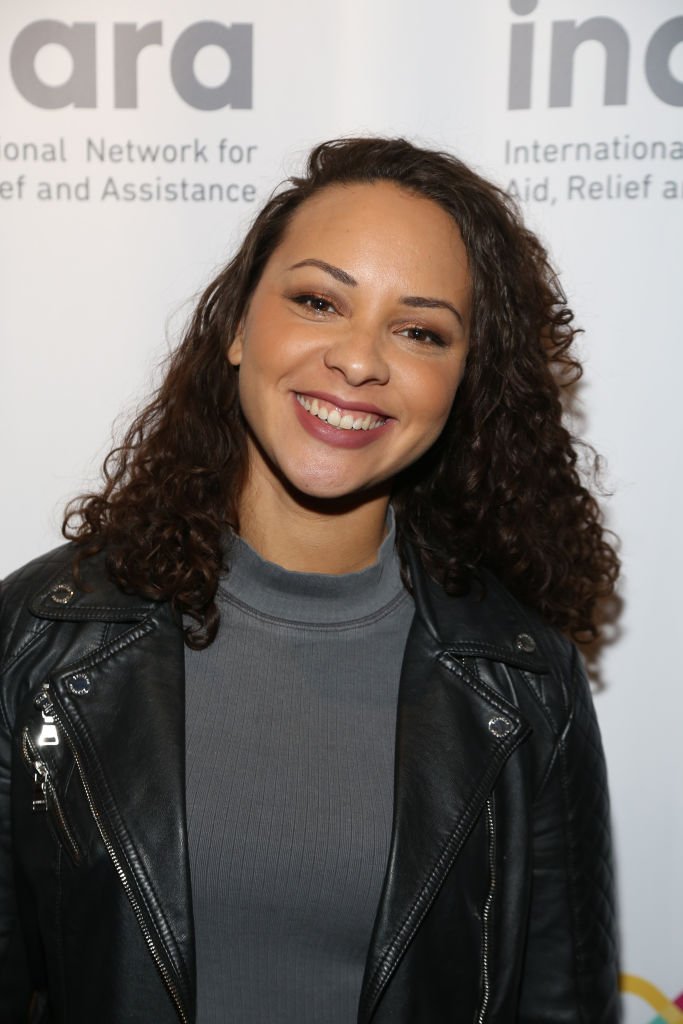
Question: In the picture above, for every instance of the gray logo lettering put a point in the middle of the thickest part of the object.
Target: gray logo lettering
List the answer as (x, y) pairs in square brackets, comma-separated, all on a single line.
[(567, 36), (235, 91), (129, 41), (80, 89), (657, 58), (79, 40)]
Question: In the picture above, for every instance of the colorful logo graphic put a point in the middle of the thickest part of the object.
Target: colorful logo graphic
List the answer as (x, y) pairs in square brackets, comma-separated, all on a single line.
[(667, 1012)]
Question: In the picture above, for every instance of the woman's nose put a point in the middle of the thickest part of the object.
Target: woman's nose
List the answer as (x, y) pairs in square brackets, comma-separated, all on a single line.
[(360, 356)]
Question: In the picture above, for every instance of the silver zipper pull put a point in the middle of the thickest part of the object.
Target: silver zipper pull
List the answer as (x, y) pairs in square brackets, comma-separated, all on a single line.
[(43, 701), (49, 737), (40, 782)]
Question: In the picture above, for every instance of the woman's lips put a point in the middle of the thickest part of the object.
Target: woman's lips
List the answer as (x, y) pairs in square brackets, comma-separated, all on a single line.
[(339, 425), (345, 417), (334, 402)]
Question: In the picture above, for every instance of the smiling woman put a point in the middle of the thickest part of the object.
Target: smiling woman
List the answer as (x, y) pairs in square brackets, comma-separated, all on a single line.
[(294, 727), (356, 330)]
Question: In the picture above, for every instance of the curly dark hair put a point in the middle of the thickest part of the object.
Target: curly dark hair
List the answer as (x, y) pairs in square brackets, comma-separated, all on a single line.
[(501, 488)]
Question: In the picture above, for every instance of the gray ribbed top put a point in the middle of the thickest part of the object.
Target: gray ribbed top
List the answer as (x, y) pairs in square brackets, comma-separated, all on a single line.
[(290, 749)]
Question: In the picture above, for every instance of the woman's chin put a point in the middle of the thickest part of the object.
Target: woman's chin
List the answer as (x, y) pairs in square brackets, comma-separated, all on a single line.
[(309, 477), (332, 490), (329, 490)]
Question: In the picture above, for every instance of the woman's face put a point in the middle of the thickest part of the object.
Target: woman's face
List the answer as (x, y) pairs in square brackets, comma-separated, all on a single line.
[(354, 342)]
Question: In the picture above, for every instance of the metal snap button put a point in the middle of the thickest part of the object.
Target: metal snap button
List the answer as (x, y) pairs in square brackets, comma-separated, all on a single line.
[(80, 684), (62, 593), (525, 642), (500, 726)]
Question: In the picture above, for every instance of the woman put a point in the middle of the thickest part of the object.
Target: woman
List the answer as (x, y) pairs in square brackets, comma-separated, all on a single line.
[(283, 744)]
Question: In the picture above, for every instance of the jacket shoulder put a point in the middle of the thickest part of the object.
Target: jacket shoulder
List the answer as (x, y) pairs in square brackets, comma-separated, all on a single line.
[(28, 578), (558, 686), (563, 684), (489, 623), (45, 590), (559, 652), (18, 589)]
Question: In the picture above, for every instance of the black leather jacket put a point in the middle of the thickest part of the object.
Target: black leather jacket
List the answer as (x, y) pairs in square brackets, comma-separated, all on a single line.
[(497, 899)]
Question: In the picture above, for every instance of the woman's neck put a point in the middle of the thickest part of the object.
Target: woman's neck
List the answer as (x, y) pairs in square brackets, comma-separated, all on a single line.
[(308, 535)]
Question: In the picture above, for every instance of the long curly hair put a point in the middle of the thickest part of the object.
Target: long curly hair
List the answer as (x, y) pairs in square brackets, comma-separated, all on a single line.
[(501, 487)]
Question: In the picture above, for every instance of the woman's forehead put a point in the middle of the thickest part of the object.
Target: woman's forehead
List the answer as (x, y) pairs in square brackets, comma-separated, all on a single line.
[(376, 223)]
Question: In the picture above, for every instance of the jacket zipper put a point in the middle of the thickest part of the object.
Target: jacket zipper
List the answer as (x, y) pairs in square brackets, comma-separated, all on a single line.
[(485, 919), (43, 700), (45, 797)]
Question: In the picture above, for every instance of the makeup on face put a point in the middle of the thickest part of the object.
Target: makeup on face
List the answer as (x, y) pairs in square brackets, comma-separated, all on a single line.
[(355, 340)]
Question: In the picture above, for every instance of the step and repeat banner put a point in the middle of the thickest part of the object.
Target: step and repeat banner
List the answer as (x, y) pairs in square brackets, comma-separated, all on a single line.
[(137, 140)]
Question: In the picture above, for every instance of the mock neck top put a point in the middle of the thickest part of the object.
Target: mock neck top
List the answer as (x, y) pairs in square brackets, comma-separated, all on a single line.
[(290, 736), (313, 598)]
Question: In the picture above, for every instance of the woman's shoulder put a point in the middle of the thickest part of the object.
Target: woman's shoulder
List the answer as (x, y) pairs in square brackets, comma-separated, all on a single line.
[(489, 619), (19, 588), (39, 570), (545, 668), (48, 576), (46, 590), (489, 624)]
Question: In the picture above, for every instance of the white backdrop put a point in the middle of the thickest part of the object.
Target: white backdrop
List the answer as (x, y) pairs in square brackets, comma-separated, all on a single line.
[(95, 284)]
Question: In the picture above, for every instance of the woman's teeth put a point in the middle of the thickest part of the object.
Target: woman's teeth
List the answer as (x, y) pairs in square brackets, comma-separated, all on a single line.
[(339, 418)]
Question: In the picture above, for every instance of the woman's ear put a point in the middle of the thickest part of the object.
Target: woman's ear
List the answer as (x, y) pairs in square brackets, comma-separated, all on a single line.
[(236, 346)]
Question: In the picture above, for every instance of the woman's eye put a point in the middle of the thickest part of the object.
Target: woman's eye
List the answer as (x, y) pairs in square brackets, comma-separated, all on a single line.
[(423, 335), (317, 303)]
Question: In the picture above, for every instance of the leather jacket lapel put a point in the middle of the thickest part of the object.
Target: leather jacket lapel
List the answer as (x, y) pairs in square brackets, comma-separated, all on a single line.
[(447, 759), (453, 735), (121, 709)]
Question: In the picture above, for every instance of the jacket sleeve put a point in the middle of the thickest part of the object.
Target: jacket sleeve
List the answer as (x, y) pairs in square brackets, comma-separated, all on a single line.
[(14, 983), (570, 973)]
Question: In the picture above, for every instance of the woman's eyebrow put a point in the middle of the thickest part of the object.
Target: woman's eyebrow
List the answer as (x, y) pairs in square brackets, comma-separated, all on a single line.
[(419, 302), (336, 272), (416, 301)]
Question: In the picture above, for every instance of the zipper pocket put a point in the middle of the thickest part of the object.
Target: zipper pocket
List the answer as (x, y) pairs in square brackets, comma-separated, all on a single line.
[(486, 915), (45, 794), (44, 702)]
